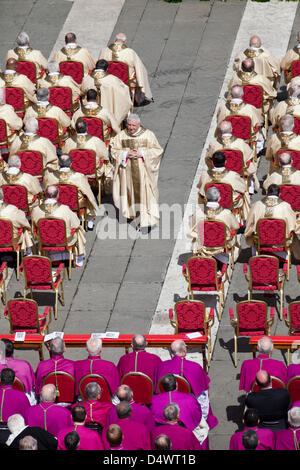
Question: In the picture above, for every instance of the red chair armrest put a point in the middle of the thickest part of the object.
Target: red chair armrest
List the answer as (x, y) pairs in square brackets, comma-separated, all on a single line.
[(73, 231), (5, 313), (285, 267), (46, 311), (231, 313), (232, 233), (184, 269), (245, 268), (211, 312), (224, 268), (59, 269), (3, 266), (171, 314), (272, 312), (298, 270), (285, 312), (20, 231)]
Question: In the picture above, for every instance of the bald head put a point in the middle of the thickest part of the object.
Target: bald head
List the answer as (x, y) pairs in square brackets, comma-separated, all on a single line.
[(139, 342), (52, 193), (178, 348), (14, 161), (255, 41), (248, 65), (263, 379), (225, 127), (48, 393), (94, 346), (237, 91), (285, 158), (124, 410), (11, 64), (124, 393)]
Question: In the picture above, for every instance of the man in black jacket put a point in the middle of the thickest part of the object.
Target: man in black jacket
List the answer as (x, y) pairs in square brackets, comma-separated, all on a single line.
[(271, 404)]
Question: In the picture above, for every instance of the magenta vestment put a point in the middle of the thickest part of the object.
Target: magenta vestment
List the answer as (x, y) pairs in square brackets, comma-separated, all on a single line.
[(139, 361), (49, 416), (250, 367), (181, 438), (96, 411), (23, 371), (89, 440), (96, 365), (44, 368), (266, 439), (12, 402), (287, 439), (135, 435), (292, 371), (190, 409), (140, 413)]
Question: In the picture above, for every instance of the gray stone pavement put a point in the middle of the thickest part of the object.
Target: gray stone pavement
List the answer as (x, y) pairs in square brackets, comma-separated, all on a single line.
[(186, 48)]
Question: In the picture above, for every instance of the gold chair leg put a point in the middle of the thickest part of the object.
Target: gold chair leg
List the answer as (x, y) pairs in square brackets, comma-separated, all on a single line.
[(62, 296), (235, 350), (281, 303), (220, 305), (18, 264), (99, 192)]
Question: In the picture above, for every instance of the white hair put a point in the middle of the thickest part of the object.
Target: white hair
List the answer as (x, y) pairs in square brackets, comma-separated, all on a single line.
[(23, 39), (32, 125), (225, 127), (265, 345), (53, 66), (294, 416), (15, 423), (94, 346), (121, 37), (178, 347), (237, 91), (212, 194), (14, 161), (134, 117), (287, 123), (42, 94)]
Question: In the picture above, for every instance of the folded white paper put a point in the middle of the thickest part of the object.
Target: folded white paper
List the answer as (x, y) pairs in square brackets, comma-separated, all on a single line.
[(20, 336), (194, 335)]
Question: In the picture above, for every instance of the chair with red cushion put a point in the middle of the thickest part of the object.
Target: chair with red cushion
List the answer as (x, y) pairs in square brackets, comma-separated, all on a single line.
[(7, 241), (264, 276), (94, 126), (32, 163), (121, 70), (291, 193), (253, 94), (141, 386), (191, 316), (65, 386), (296, 128), (293, 387), (226, 193), (271, 236), (295, 68), (241, 127), (251, 320), (73, 68), (38, 275), (52, 237), (84, 161), (100, 380), (275, 381), (183, 385), (18, 385), (234, 161), (202, 276), (291, 317), (68, 195), (62, 97), (212, 235), (16, 195), (23, 315), (15, 97), (48, 127), (27, 68), (3, 277), (3, 134), (295, 158)]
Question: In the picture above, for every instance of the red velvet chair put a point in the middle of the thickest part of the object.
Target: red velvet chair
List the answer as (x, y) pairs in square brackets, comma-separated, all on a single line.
[(72, 68), (68, 195), (213, 234), (32, 163), (183, 385), (23, 315), (202, 276), (7, 241), (15, 97), (295, 68), (18, 385), (27, 68), (253, 94), (94, 126), (101, 381), (141, 386), (271, 236), (295, 158), (264, 276), (291, 193), (276, 383), (65, 386), (293, 387), (38, 275), (241, 127), (226, 193), (291, 317), (61, 97), (84, 161), (121, 70), (52, 237), (251, 320), (3, 277), (3, 134), (48, 127), (16, 195), (234, 161), (191, 316), (296, 125)]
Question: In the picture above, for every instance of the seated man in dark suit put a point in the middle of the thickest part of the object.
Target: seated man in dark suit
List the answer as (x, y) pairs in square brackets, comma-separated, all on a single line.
[(272, 404)]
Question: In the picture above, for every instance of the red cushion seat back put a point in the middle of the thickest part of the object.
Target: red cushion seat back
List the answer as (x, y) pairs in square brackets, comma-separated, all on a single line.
[(294, 309), (296, 125), (37, 270), (291, 193), (3, 132), (141, 386), (190, 316), (253, 94), (52, 232), (264, 271), (27, 68), (202, 271), (15, 195), (83, 161), (295, 68), (15, 97), (271, 232), (251, 316), (276, 383), (234, 160), (182, 385), (48, 128), (68, 196), (72, 68), (61, 97), (241, 126), (225, 193), (119, 69), (23, 315), (31, 162), (65, 384), (212, 233), (293, 387), (6, 233), (101, 381), (94, 126)]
